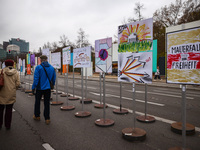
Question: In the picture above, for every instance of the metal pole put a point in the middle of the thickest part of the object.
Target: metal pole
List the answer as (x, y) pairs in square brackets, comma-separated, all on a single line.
[(56, 85), (29, 82), (184, 116), (134, 106), (82, 86), (100, 88), (85, 83), (73, 81), (104, 105), (120, 96), (145, 100), (67, 85)]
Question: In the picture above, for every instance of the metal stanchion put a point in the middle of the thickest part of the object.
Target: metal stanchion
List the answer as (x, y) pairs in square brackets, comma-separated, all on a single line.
[(73, 98), (134, 134), (120, 111), (56, 102), (103, 122), (86, 100), (145, 118), (82, 114), (100, 105), (68, 107), (183, 128)]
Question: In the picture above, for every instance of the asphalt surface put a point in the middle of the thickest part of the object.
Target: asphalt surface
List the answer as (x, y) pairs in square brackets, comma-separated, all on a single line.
[(67, 132)]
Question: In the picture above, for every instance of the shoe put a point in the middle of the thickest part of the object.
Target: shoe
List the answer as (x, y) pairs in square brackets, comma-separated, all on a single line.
[(47, 122), (36, 118)]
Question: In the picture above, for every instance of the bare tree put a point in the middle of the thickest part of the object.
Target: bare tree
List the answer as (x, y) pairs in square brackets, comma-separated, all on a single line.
[(82, 40), (137, 10), (64, 40), (169, 16), (54, 45)]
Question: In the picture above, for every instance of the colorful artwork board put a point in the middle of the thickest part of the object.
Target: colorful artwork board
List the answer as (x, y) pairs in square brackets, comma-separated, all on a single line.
[(56, 60), (82, 57), (136, 36), (183, 56), (33, 60), (135, 67), (103, 55), (135, 45), (46, 52), (66, 55)]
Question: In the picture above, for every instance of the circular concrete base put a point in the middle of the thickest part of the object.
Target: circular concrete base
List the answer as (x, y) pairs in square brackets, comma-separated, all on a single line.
[(120, 112), (135, 134), (56, 103), (67, 108), (177, 128), (82, 114), (100, 106), (178, 148), (28, 91), (104, 122), (147, 119), (58, 93), (64, 95), (86, 101), (73, 98)]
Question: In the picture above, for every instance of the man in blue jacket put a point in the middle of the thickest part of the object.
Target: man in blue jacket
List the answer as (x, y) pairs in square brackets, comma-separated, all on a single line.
[(42, 85)]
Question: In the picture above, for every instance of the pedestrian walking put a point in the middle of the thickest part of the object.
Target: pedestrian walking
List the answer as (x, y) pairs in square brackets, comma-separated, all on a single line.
[(8, 93), (43, 75), (157, 74)]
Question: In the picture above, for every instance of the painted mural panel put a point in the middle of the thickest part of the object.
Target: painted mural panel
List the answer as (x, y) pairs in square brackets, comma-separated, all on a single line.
[(183, 56), (103, 55)]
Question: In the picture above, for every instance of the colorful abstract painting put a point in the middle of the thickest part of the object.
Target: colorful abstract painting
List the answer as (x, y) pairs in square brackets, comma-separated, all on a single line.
[(136, 36), (103, 55), (183, 56), (135, 67), (135, 44)]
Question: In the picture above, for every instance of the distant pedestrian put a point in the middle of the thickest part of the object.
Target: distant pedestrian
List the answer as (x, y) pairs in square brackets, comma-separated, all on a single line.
[(157, 74), (42, 86), (8, 93)]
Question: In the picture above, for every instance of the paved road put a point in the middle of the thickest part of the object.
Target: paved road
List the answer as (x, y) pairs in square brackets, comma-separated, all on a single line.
[(66, 132)]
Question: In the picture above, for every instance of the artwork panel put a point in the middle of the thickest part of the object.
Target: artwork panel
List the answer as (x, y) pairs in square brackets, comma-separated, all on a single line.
[(56, 60), (135, 67), (102, 52), (136, 36), (82, 57), (183, 56)]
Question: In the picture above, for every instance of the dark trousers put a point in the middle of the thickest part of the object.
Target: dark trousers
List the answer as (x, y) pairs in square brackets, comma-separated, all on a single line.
[(157, 76), (8, 115), (38, 96)]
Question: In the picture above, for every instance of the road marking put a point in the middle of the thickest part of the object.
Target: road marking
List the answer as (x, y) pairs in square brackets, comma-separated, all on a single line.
[(158, 104), (88, 87), (161, 94), (169, 92), (140, 113), (47, 146)]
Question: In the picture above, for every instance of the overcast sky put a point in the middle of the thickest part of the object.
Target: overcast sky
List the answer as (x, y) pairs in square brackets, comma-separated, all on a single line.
[(42, 21)]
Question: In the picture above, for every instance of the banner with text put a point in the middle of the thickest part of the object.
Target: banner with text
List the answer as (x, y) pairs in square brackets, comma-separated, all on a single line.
[(183, 56)]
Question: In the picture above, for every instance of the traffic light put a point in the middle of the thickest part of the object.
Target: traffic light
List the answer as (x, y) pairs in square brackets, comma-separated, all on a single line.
[(9, 52)]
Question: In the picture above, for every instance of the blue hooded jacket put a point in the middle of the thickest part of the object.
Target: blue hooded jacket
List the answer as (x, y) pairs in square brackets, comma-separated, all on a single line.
[(41, 81)]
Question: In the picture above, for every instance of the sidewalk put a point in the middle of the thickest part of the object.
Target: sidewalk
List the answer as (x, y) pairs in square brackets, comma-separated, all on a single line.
[(158, 83)]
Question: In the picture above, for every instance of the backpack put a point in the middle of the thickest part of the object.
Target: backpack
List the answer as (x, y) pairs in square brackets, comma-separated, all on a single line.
[(1, 79)]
